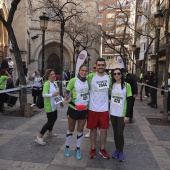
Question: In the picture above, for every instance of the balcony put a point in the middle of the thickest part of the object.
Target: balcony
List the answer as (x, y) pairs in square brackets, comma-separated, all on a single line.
[(162, 45)]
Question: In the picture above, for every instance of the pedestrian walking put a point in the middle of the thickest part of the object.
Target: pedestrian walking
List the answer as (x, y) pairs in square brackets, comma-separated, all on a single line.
[(50, 94), (98, 115), (130, 78), (10, 65), (4, 76), (77, 110), (37, 87), (121, 97)]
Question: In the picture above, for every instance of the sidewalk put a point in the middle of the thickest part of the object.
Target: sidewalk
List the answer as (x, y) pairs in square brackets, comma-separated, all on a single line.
[(147, 147)]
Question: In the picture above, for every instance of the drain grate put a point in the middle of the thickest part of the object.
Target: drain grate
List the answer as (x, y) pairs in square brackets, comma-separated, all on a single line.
[(157, 121)]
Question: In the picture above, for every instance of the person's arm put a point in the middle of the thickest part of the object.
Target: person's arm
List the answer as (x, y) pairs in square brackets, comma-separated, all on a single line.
[(46, 93), (129, 102), (9, 76)]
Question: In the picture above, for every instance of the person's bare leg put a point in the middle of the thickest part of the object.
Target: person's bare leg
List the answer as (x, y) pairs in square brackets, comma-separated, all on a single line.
[(103, 136), (93, 136)]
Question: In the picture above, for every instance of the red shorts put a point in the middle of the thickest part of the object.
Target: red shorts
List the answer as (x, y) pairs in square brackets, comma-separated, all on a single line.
[(97, 119)]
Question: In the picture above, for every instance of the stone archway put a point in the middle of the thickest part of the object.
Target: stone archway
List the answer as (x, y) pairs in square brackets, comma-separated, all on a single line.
[(53, 62)]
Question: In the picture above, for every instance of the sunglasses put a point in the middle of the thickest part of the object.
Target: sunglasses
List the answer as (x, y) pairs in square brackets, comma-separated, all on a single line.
[(101, 65), (116, 74)]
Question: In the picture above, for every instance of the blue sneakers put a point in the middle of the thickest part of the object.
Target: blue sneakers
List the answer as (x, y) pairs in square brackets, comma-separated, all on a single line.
[(78, 154), (115, 155), (121, 157), (67, 152)]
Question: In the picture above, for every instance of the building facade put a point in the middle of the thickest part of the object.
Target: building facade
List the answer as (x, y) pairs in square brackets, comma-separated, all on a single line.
[(26, 25)]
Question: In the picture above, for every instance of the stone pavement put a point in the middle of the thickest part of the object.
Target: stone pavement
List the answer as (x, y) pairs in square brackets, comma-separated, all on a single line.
[(147, 147)]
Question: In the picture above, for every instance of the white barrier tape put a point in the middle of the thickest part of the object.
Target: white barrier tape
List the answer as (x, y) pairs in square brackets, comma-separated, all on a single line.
[(166, 91), (22, 86), (16, 89)]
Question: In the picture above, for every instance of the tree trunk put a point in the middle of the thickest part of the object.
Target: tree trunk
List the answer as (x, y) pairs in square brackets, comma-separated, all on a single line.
[(19, 67), (61, 55)]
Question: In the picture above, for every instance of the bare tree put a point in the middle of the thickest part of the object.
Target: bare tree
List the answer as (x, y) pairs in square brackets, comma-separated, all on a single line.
[(8, 25)]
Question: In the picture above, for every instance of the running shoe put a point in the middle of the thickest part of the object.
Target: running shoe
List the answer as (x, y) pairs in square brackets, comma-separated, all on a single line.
[(104, 154), (51, 134), (78, 154), (40, 141), (115, 155), (67, 152), (92, 153), (87, 135), (121, 157)]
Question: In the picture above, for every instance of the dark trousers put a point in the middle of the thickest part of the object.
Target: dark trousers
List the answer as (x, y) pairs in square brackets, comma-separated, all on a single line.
[(146, 91), (153, 96), (131, 110), (168, 103), (51, 119), (35, 99), (118, 129)]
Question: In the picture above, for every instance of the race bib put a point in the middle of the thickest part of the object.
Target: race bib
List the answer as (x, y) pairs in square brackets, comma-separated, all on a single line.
[(117, 101), (58, 100), (102, 85), (84, 97)]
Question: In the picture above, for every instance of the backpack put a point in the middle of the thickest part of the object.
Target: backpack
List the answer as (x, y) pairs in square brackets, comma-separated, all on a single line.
[(40, 101)]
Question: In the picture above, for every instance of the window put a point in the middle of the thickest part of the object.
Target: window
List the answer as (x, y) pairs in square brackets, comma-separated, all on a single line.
[(108, 50), (110, 6), (139, 19), (99, 24), (123, 3), (120, 21), (109, 24), (121, 14), (110, 41), (110, 33), (112, 15), (119, 30), (100, 7), (100, 16)]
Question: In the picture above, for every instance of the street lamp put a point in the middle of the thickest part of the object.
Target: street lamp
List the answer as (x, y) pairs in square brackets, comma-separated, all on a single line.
[(159, 20), (43, 24), (133, 47)]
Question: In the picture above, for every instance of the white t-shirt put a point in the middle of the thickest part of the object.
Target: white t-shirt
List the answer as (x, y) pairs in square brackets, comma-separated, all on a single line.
[(118, 103), (99, 89), (80, 91), (38, 81)]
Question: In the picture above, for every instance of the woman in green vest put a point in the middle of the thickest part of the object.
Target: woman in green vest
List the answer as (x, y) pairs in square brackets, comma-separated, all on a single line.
[(50, 93), (77, 110), (4, 76)]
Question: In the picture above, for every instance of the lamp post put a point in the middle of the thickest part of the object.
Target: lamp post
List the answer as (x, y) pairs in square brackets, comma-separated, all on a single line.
[(133, 47), (159, 20), (43, 24)]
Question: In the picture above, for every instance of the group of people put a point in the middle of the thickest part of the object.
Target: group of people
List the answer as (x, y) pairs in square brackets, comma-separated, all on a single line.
[(90, 102)]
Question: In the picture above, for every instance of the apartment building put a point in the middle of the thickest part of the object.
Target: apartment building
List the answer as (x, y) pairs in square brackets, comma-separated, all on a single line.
[(114, 17)]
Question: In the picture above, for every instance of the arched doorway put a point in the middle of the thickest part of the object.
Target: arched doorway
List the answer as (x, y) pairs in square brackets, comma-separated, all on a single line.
[(53, 62)]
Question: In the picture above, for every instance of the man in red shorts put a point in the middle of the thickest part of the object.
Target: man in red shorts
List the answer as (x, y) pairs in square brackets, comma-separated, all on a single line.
[(98, 115)]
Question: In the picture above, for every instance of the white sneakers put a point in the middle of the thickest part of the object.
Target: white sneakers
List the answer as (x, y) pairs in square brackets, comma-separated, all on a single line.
[(87, 135), (40, 141), (51, 134)]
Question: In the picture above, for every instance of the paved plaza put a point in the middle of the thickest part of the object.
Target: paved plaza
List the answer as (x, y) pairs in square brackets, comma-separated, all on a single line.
[(147, 147)]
